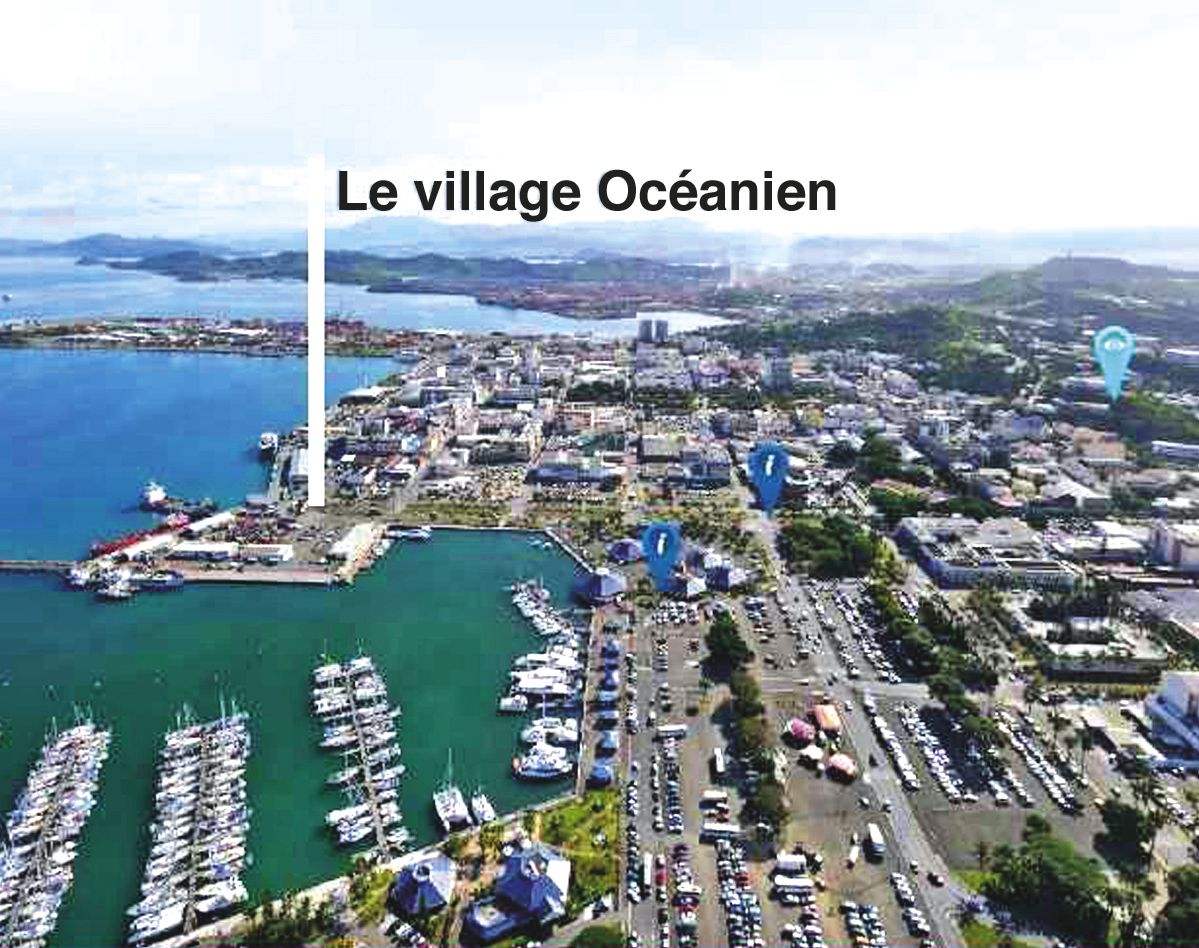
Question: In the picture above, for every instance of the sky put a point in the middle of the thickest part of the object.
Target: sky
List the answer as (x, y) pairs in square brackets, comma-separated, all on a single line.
[(931, 116)]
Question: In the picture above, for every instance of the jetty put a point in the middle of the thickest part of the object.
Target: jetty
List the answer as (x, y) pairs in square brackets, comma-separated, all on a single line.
[(351, 700), (42, 829), (198, 836), (37, 566)]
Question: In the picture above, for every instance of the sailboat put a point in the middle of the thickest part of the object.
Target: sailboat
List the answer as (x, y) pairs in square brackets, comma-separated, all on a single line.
[(449, 802)]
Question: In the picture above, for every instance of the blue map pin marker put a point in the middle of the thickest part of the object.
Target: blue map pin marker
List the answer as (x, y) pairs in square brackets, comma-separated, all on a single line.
[(1113, 348), (661, 545), (768, 464)]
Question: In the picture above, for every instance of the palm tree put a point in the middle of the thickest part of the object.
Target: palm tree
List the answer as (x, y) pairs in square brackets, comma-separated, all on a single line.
[(982, 850), (1085, 743)]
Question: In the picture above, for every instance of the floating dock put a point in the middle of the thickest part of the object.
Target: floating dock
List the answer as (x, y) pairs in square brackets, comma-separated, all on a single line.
[(201, 819), (36, 869), (351, 701)]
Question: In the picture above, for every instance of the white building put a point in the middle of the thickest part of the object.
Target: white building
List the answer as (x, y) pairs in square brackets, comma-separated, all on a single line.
[(1174, 709), (960, 551), (1176, 544)]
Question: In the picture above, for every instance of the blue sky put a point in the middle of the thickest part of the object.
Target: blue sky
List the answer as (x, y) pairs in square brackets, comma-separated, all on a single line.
[(935, 116)]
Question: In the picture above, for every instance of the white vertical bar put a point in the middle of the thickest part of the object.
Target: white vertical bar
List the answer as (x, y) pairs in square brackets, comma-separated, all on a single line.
[(316, 331)]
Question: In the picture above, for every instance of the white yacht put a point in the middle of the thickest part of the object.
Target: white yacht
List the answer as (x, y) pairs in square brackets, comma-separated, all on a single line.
[(481, 807)]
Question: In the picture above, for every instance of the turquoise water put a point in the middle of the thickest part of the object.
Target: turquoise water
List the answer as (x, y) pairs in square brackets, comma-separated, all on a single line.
[(434, 616), (55, 288), (80, 432)]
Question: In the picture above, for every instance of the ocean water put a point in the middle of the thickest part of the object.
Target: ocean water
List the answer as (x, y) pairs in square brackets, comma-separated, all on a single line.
[(54, 288), (80, 432)]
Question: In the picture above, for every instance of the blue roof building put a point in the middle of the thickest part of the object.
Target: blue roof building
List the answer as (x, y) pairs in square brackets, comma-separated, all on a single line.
[(601, 774), (608, 744), (625, 551), (424, 886), (530, 892), (599, 586)]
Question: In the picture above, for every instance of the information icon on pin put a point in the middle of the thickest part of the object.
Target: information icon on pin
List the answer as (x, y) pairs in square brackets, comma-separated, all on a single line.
[(768, 465), (661, 545), (1113, 348)]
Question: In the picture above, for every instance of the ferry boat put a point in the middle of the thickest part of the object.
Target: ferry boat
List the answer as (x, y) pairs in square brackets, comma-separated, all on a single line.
[(449, 802), (481, 807), (117, 591), (160, 581), (268, 444)]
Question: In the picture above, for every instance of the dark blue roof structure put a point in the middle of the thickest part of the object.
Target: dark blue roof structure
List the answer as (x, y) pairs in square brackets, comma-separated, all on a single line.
[(599, 586), (625, 551), (423, 887)]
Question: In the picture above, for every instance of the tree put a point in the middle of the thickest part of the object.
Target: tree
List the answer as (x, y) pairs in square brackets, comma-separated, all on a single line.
[(982, 851), (766, 804), (1178, 920), (727, 650), (1129, 828), (599, 936)]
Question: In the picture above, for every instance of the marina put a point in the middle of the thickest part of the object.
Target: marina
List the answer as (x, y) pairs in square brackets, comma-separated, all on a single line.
[(350, 700), (36, 865), (198, 837), (551, 678), (135, 665)]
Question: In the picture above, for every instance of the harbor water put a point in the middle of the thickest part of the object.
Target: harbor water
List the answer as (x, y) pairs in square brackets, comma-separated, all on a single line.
[(85, 430), (55, 288)]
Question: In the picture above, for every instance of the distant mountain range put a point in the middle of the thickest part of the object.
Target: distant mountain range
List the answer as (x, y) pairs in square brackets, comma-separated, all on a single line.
[(673, 240), (105, 246)]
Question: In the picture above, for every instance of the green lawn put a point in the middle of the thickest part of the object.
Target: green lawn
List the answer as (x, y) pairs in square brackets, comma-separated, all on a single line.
[(974, 879), (978, 934), (588, 831)]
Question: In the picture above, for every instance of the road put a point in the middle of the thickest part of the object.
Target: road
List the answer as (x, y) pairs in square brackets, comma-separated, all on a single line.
[(908, 840)]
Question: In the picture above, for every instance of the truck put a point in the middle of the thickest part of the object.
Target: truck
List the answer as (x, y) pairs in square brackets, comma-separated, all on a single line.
[(713, 797), (875, 845), (852, 859)]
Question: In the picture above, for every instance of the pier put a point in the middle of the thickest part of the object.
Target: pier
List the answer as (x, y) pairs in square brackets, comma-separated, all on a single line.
[(361, 727), (36, 566), (198, 836), (372, 798), (50, 814)]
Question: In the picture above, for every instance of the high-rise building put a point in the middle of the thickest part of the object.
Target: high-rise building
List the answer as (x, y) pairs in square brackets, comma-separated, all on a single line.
[(645, 331), (661, 330)]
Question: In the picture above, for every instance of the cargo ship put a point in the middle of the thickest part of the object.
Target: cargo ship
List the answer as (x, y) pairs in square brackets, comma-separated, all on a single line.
[(156, 500)]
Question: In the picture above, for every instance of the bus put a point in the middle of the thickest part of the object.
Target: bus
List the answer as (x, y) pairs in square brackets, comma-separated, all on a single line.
[(647, 873), (875, 845), (666, 731), (720, 767), (712, 830)]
